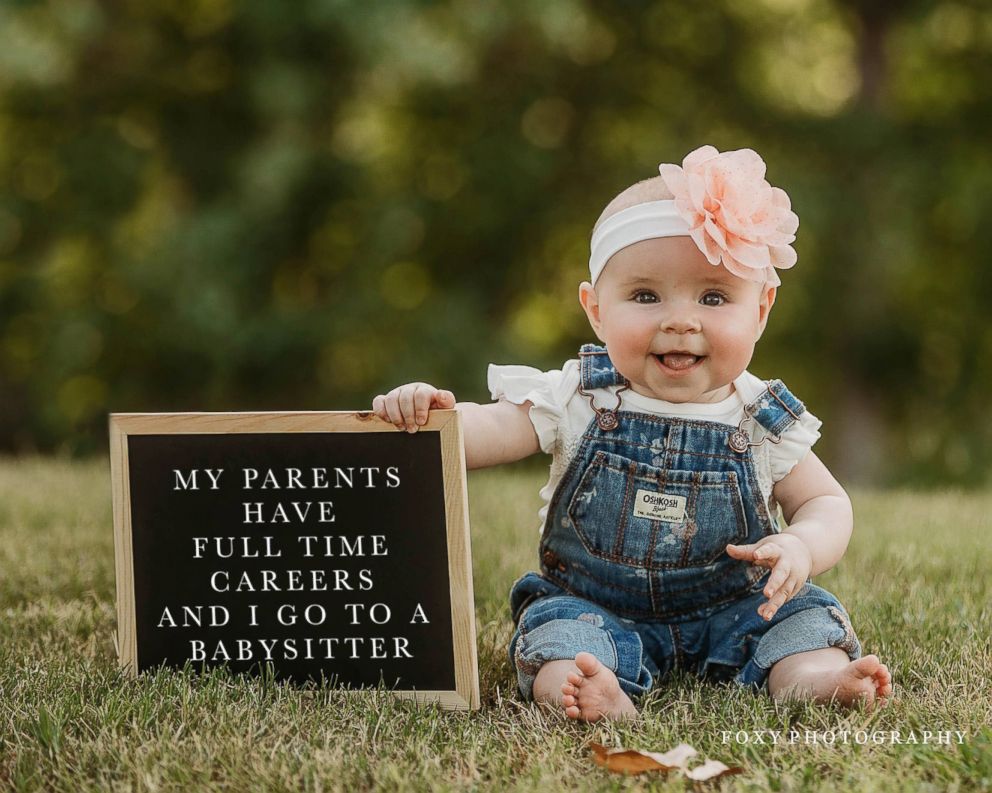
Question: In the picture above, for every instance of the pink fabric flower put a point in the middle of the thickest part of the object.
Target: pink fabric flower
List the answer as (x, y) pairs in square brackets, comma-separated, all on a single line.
[(734, 215)]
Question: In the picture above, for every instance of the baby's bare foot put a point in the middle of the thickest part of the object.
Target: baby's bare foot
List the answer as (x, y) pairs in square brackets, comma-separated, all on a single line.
[(864, 680), (594, 692)]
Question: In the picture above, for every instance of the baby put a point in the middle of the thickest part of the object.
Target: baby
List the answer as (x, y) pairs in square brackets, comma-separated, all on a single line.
[(660, 546)]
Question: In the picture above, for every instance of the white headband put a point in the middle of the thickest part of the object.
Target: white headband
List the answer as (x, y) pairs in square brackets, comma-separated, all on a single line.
[(634, 224)]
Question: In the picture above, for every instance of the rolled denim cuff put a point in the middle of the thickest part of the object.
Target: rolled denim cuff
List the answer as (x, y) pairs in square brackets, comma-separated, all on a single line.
[(563, 639), (810, 629), (557, 640)]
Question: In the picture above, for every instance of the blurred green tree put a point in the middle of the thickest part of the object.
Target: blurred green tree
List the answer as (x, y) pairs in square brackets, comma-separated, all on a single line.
[(212, 204)]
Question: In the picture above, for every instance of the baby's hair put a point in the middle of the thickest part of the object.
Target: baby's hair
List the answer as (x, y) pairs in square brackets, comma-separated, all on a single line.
[(650, 189)]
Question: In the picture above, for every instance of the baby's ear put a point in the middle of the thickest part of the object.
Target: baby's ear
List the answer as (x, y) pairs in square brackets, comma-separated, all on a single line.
[(765, 303), (589, 301)]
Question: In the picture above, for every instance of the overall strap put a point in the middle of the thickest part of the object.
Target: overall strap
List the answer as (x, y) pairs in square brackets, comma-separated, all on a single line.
[(596, 369), (776, 408)]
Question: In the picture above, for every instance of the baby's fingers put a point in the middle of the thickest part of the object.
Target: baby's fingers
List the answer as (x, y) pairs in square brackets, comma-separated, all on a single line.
[(779, 576), (765, 555), (407, 400), (443, 399), (779, 599), (391, 405), (424, 397), (743, 552), (767, 610), (407, 407), (413, 398), (380, 406)]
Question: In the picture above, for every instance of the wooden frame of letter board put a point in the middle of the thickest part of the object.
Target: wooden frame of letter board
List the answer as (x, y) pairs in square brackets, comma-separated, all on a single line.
[(446, 422)]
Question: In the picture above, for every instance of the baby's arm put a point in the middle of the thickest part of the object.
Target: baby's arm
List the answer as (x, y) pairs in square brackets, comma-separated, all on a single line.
[(500, 432), (817, 510), (820, 520)]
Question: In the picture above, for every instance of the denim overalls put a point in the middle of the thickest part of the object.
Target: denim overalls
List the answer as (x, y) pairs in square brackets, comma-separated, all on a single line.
[(633, 560)]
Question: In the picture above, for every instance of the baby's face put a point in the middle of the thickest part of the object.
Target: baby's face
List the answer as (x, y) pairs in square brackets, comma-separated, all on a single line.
[(675, 326)]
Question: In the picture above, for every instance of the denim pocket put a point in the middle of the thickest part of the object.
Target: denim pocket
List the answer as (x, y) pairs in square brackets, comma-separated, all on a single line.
[(644, 516)]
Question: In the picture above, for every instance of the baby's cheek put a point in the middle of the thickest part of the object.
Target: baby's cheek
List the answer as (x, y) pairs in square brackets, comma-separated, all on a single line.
[(734, 351)]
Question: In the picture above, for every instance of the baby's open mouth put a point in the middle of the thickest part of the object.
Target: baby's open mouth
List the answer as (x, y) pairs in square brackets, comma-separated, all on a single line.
[(679, 360)]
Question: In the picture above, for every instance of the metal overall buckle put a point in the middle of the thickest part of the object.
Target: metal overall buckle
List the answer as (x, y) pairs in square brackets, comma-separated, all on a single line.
[(606, 418), (740, 441)]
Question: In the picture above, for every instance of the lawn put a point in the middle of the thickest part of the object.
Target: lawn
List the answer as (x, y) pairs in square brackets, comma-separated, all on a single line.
[(915, 579)]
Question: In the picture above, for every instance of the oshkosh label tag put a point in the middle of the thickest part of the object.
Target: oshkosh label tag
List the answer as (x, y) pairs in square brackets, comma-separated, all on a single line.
[(659, 506)]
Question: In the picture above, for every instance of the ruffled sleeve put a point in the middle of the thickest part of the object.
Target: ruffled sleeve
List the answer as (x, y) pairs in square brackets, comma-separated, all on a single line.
[(548, 393), (795, 445)]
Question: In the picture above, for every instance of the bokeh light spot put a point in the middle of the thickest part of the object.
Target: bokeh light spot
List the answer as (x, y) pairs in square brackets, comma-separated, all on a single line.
[(546, 122), (82, 397), (537, 322), (208, 70), (405, 285), (443, 175), (10, 232), (38, 176)]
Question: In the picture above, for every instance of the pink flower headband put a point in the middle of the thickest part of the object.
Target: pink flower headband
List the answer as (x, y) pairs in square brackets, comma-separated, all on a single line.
[(724, 203)]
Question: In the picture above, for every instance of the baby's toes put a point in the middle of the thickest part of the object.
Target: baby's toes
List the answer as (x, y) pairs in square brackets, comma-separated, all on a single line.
[(568, 700), (568, 690), (573, 712), (883, 682), (575, 679)]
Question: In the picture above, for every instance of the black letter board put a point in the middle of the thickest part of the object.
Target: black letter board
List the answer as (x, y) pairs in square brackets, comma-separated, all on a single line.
[(326, 545)]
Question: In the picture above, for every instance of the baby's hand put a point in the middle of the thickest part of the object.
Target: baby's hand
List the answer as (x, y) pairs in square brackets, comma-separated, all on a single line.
[(407, 405), (790, 561)]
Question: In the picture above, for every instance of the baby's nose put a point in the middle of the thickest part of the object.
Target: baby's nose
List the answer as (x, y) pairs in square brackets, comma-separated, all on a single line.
[(681, 321)]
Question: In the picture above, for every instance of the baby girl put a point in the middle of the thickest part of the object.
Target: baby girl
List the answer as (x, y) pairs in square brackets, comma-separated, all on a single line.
[(661, 546)]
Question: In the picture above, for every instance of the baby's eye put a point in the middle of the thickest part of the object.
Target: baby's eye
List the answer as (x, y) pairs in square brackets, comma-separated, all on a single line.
[(643, 296), (713, 299)]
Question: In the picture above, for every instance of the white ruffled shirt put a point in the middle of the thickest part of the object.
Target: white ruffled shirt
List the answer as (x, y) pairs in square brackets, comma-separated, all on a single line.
[(560, 415)]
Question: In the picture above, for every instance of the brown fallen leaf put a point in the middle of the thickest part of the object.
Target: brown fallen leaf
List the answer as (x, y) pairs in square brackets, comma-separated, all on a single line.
[(633, 761), (711, 769), (624, 761)]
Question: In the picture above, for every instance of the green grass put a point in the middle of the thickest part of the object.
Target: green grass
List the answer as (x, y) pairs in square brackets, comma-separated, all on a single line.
[(915, 580)]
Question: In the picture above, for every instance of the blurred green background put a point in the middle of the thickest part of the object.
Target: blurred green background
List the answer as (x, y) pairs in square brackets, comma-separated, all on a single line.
[(220, 205)]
